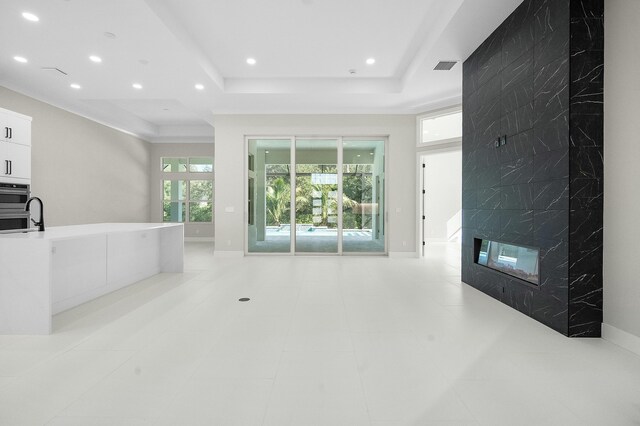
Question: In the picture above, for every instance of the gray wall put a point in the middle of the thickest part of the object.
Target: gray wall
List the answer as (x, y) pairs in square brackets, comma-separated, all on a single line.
[(159, 150), (83, 171), (622, 174)]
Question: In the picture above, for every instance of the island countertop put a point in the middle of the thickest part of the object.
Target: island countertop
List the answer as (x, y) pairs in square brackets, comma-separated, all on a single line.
[(74, 231), (44, 273)]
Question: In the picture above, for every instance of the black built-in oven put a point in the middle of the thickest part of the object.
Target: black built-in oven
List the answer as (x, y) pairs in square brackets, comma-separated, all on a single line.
[(13, 197)]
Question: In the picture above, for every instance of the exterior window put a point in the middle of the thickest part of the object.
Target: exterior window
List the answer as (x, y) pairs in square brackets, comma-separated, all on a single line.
[(201, 165), (174, 165), (175, 193), (200, 201), (187, 185), (441, 127)]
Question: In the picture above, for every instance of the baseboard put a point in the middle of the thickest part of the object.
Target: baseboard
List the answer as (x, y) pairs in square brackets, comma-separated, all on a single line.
[(199, 239), (403, 254), (228, 253), (621, 338)]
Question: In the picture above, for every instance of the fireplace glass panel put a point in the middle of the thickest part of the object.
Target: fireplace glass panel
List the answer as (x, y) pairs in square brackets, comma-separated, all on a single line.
[(520, 262)]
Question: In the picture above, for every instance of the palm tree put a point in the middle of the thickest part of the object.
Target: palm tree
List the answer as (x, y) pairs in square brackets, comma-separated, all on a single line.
[(278, 194), (278, 199)]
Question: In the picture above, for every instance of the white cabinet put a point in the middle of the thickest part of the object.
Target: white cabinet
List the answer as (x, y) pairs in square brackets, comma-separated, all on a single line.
[(15, 127), (15, 162), (15, 147)]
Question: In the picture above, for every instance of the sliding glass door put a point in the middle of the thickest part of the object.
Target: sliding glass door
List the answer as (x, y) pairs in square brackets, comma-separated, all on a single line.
[(363, 227), (316, 195), (269, 196)]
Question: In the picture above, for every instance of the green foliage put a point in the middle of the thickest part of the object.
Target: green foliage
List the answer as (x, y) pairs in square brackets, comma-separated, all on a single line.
[(201, 211), (200, 197), (278, 196), (357, 190)]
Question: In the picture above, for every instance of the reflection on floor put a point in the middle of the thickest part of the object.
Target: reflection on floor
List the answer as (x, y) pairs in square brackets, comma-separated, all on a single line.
[(323, 341), (318, 241)]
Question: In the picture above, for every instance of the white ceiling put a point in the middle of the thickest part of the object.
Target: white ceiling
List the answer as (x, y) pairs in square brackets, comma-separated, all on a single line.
[(304, 50)]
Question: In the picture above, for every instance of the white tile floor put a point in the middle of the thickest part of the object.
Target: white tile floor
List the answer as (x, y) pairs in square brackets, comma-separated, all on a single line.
[(323, 341)]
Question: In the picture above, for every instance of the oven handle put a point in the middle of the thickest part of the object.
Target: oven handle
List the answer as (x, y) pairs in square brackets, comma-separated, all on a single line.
[(14, 191), (14, 214)]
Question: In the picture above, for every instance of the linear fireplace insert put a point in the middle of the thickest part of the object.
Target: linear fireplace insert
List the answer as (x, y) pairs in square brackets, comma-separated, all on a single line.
[(518, 261)]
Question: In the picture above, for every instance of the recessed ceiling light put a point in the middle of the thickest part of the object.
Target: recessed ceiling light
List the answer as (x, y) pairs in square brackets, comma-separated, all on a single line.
[(109, 35), (96, 59), (30, 17), (266, 152), (251, 61), (137, 86), (371, 61), (371, 153), (352, 71), (75, 86), (199, 86), (21, 59), (358, 155)]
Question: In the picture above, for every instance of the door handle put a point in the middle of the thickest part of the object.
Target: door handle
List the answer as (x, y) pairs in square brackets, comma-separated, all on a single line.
[(10, 167), (6, 133), (10, 132), (6, 167)]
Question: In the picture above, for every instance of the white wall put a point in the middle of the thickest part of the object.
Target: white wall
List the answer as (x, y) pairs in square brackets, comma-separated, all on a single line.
[(622, 174), (159, 150), (443, 181), (230, 131), (83, 171)]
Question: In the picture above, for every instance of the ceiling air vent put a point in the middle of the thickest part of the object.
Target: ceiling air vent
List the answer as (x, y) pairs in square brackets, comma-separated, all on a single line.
[(445, 65), (54, 69)]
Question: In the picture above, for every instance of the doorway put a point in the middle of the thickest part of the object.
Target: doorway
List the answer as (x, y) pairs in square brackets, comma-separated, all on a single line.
[(440, 196), (332, 190)]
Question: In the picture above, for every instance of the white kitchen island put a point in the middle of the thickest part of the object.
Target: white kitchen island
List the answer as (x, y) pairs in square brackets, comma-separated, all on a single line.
[(44, 273)]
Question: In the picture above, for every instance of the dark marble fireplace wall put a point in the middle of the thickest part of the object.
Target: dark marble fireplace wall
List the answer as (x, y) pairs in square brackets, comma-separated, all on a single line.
[(538, 80)]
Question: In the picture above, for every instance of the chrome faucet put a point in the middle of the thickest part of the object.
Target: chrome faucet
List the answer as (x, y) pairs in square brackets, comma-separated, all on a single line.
[(39, 224)]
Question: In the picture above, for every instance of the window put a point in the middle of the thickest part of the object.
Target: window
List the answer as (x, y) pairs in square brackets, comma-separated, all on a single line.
[(175, 193), (201, 165), (187, 185), (174, 165), (440, 127), (200, 201)]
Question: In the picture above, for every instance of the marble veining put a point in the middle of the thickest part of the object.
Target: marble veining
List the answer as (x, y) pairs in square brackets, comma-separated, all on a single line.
[(551, 165), (539, 80), (551, 195)]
